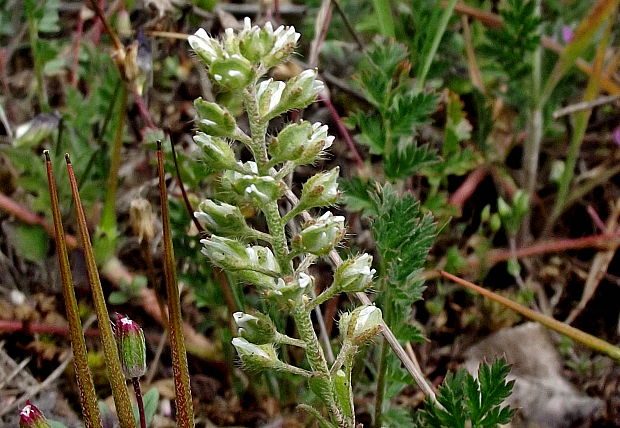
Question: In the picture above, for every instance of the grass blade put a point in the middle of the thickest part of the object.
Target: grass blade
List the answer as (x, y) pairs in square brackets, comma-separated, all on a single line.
[(185, 410), (88, 396), (577, 335), (584, 34), (112, 362)]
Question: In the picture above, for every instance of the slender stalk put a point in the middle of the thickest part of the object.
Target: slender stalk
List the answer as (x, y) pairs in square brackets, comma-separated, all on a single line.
[(33, 39), (88, 396), (581, 119), (383, 360), (531, 152), (138, 391), (110, 351), (316, 358), (439, 32), (558, 326), (185, 410), (383, 11), (107, 226)]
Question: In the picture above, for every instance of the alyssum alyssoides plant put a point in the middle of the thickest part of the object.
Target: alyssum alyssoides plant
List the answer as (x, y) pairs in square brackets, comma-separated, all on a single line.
[(273, 260)]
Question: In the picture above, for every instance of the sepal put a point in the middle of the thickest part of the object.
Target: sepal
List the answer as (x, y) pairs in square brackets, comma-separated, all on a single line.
[(256, 328), (320, 190), (214, 120), (320, 236), (354, 274)]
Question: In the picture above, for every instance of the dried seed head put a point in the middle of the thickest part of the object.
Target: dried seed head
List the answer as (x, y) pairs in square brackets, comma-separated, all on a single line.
[(142, 219)]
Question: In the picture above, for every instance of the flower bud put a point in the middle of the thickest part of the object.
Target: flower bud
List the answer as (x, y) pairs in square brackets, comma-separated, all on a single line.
[(289, 289), (257, 328), (321, 236), (300, 91), (290, 143), (285, 40), (321, 189), (31, 417), (256, 188), (354, 274), (207, 48), (131, 347), (232, 73), (225, 253), (214, 120), (318, 141), (269, 94), (218, 154), (254, 42), (221, 218), (255, 357), (361, 325)]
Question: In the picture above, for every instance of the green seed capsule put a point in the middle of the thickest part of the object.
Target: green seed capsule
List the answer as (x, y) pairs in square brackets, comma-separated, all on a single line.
[(131, 347)]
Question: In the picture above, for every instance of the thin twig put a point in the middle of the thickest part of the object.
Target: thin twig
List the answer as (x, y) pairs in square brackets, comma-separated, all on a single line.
[(585, 105)]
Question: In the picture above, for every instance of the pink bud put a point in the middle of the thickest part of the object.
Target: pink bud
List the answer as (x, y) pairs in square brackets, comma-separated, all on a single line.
[(31, 417), (567, 34), (615, 135)]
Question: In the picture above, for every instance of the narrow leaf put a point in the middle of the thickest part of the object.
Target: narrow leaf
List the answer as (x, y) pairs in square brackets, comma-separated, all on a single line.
[(584, 338), (112, 362), (88, 396), (584, 34)]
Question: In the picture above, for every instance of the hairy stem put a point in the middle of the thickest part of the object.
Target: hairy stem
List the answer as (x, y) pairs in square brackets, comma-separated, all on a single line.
[(323, 385)]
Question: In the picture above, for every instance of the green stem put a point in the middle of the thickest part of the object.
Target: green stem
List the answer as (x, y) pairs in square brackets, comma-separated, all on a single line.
[(383, 361), (33, 36), (283, 339), (581, 119), (439, 32), (531, 152), (322, 380), (277, 231), (107, 233), (258, 128), (383, 11)]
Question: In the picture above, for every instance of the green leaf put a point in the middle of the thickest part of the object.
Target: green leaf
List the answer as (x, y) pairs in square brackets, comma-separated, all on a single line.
[(150, 401), (56, 424), (117, 298), (30, 242), (467, 401), (357, 195), (397, 417)]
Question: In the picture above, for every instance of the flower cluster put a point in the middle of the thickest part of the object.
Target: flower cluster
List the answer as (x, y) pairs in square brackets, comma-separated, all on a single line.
[(274, 261)]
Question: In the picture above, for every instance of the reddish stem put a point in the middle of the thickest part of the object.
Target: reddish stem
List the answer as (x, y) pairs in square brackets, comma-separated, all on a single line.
[(468, 187), (553, 246), (344, 133), (27, 327), (136, 388), (23, 214)]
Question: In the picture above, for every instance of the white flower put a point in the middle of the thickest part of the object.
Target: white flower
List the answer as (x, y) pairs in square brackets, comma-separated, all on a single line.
[(247, 349), (207, 48)]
